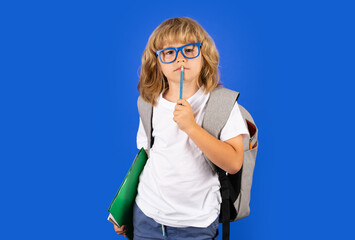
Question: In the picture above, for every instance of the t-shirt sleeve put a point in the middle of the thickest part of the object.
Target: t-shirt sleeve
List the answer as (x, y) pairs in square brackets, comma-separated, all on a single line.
[(142, 140), (235, 125)]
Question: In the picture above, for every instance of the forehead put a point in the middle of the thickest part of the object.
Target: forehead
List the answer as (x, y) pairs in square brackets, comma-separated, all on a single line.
[(177, 39)]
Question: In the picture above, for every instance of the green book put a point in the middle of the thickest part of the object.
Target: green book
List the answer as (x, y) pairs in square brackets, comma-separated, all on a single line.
[(121, 208)]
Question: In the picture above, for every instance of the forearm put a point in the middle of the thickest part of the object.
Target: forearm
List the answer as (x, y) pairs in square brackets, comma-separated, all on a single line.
[(220, 153)]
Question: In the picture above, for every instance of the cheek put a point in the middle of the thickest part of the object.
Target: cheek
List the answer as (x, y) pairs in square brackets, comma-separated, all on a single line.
[(162, 68), (166, 72), (199, 61), (198, 65)]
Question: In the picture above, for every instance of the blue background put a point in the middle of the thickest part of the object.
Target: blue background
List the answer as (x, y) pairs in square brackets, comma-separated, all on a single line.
[(69, 72)]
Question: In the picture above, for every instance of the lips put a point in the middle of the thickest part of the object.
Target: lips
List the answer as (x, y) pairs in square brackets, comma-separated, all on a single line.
[(179, 68)]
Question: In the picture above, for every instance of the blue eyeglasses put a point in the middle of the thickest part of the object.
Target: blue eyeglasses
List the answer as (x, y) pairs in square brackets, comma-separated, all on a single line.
[(189, 51)]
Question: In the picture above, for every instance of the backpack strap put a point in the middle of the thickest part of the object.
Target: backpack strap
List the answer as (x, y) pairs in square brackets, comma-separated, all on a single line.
[(145, 110), (215, 119)]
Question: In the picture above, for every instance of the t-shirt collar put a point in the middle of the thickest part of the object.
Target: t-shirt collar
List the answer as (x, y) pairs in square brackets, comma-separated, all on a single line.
[(191, 99)]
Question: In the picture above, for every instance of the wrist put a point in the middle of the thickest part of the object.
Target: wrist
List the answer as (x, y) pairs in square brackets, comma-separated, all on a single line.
[(192, 129)]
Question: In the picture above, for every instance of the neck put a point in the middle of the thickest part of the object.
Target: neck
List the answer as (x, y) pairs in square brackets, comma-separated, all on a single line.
[(173, 93)]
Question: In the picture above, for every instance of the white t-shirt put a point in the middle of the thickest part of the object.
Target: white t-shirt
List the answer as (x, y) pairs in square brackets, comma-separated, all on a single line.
[(177, 187)]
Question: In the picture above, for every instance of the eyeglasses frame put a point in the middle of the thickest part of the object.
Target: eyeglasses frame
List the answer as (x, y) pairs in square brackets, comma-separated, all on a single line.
[(198, 44)]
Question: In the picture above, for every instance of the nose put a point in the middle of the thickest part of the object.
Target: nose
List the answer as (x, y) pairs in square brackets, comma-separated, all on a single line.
[(180, 57)]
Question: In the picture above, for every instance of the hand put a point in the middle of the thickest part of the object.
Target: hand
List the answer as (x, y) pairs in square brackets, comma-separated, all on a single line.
[(184, 116), (120, 230)]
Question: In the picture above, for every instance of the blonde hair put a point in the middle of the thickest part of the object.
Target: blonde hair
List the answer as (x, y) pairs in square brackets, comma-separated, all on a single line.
[(180, 29)]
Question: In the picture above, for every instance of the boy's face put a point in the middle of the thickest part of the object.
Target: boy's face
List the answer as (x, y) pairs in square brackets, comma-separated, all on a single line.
[(192, 67)]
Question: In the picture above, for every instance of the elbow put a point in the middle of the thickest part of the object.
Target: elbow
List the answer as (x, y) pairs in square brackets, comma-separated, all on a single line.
[(235, 169)]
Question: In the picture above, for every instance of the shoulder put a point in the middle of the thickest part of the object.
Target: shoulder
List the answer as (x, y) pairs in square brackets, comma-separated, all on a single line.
[(222, 90), (222, 94), (142, 102), (144, 107)]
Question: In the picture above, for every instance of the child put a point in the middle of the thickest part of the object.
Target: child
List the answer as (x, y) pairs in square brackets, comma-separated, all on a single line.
[(179, 194)]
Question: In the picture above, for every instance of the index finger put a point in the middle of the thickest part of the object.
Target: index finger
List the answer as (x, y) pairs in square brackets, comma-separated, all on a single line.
[(181, 101)]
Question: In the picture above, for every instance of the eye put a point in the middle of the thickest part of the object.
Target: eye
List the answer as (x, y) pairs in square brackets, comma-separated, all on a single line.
[(189, 49), (168, 52)]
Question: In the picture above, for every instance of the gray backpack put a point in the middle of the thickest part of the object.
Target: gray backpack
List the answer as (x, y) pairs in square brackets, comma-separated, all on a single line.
[(235, 189)]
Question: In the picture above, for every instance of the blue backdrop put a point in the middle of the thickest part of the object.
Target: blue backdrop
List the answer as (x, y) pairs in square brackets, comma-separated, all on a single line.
[(69, 72)]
